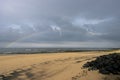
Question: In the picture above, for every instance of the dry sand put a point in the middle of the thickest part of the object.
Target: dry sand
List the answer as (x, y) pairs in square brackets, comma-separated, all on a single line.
[(56, 66)]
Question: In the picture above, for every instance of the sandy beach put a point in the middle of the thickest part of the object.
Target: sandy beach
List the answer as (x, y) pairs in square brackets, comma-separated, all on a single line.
[(50, 66)]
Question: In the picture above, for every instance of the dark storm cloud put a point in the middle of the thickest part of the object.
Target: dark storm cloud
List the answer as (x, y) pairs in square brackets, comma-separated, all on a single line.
[(112, 31), (60, 21)]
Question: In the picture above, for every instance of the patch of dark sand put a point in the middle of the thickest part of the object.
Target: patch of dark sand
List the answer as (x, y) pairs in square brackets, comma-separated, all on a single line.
[(16, 73)]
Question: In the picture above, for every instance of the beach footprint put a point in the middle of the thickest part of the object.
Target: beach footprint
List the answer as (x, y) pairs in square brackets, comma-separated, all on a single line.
[(79, 75)]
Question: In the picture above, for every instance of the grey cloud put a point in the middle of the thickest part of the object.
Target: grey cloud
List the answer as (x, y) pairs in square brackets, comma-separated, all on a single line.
[(76, 21)]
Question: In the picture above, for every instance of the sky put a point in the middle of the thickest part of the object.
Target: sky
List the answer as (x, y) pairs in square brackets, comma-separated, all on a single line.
[(60, 23)]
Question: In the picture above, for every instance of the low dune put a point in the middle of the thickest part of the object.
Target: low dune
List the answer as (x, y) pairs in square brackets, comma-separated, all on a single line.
[(51, 66)]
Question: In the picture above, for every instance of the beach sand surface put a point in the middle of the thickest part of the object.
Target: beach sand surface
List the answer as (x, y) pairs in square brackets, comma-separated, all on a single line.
[(51, 66)]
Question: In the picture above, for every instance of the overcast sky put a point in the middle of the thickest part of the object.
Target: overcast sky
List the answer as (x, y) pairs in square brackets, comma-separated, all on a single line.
[(60, 23)]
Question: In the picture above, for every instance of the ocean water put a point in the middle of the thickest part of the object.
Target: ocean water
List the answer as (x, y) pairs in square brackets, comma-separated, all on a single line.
[(45, 50)]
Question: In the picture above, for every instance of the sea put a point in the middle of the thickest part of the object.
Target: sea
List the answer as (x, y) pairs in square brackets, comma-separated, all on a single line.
[(47, 50)]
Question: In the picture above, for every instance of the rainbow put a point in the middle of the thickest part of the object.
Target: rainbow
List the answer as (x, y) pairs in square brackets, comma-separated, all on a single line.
[(21, 39)]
